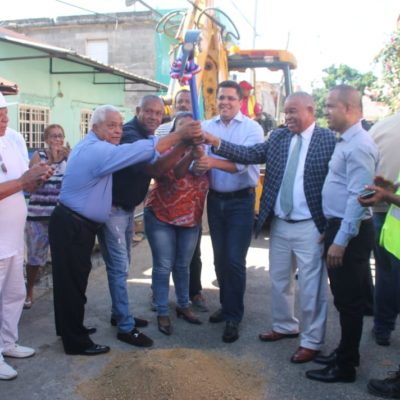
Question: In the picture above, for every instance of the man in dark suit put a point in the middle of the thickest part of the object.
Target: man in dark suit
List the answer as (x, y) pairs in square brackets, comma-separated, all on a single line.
[(296, 166)]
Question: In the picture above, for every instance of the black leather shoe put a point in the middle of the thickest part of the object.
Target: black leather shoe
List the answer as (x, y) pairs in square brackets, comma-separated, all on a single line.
[(326, 360), (231, 332), (139, 323), (381, 339), (332, 373), (217, 317), (389, 387), (93, 350), (90, 330), (135, 338)]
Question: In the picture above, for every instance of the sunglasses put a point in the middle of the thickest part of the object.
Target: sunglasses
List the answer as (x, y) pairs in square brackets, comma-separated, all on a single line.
[(2, 165)]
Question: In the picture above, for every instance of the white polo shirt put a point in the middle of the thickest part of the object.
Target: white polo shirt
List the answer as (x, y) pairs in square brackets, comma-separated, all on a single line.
[(13, 208)]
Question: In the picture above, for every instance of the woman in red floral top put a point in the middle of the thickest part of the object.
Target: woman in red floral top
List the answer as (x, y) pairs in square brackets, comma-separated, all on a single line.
[(173, 212)]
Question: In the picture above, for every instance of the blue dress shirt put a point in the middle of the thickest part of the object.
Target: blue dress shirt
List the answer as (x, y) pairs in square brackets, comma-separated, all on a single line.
[(240, 130), (352, 166), (87, 183)]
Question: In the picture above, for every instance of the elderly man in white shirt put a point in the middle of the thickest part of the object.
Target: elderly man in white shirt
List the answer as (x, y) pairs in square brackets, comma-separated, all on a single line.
[(14, 178)]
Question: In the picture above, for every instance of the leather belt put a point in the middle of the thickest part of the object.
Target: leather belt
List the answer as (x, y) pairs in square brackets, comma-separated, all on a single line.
[(232, 195), (78, 217), (295, 221)]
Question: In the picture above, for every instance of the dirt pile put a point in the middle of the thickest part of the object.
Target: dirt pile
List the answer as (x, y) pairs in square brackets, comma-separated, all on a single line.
[(174, 374)]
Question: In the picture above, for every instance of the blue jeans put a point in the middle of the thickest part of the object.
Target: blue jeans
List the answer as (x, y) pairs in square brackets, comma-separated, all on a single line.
[(115, 239), (387, 284), (231, 224), (172, 248)]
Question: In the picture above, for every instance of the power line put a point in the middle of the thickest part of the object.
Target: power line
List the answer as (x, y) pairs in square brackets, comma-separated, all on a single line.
[(241, 14), (85, 9)]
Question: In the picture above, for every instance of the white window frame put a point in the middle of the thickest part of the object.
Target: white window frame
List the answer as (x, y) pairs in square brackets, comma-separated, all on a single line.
[(32, 122), (84, 120)]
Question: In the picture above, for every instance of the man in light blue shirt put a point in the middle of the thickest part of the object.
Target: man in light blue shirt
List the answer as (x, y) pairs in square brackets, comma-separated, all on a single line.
[(349, 234), (230, 205), (85, 203)]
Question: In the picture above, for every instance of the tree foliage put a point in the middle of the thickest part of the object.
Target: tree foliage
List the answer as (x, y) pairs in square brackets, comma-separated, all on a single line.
[(389, 58), (337, 75), (343, 74)]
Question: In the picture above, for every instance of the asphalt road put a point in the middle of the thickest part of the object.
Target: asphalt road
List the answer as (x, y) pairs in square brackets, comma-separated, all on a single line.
[(53, 375)]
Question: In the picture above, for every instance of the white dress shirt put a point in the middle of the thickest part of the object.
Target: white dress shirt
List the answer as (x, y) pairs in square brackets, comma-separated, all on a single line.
[(300, 209)]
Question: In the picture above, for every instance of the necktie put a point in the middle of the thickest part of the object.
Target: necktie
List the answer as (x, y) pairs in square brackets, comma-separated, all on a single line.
[(286, 199)]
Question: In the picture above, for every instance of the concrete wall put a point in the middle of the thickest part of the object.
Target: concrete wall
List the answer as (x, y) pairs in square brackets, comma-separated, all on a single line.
[(132, 40), (39, 88)]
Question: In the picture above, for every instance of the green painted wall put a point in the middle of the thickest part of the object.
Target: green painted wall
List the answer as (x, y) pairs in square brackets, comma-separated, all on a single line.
[(39, 88)]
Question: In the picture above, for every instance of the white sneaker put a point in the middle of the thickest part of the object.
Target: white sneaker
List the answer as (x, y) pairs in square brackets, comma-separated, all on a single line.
[(19, 352), (7, 372)]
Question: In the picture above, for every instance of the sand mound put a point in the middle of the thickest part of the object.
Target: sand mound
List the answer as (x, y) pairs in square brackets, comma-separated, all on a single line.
[(177, 374)]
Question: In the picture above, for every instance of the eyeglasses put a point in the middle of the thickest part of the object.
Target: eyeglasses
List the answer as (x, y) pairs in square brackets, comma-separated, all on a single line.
[(2, 165), (229, 98), (59, 136)]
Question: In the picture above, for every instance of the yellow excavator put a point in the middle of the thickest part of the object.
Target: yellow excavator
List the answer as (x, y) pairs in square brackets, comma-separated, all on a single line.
[(218, 54)]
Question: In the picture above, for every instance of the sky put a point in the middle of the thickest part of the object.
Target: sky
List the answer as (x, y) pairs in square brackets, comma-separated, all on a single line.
[(319, 33)]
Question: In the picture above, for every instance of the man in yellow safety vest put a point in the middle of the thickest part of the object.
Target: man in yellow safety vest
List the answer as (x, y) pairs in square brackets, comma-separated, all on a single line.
[(388, 192), (249, 106)]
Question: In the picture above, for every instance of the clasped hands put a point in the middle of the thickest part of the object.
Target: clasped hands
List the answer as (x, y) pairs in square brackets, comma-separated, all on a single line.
[(192, 134), (35, 176), (58, 153)]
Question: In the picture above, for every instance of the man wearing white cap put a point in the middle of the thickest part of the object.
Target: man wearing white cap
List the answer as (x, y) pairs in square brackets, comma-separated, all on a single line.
[(14, 179)]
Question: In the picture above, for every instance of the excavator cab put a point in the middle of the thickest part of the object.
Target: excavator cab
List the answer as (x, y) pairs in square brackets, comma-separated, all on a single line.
[(270, 96)]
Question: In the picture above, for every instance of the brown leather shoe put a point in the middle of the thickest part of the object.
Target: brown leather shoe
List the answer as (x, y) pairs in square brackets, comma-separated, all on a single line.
[(273, 336), (303, 355)]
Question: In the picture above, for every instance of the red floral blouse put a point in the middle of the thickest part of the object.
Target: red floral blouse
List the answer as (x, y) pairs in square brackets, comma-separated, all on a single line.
[(178, 201)]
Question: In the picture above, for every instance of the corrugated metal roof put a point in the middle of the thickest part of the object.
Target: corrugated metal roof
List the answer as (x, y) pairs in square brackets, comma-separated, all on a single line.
[(10, 36), (8, 87)]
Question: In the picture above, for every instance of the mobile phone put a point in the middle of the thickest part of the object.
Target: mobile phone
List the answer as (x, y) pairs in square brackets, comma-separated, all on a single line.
[(367, 194)]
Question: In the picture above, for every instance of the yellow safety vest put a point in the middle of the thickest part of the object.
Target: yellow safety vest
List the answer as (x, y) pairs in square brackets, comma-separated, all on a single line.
[(390, 234), (248, 106)]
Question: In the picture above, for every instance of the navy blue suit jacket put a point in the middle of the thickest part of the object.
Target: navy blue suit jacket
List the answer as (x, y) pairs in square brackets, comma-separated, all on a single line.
[(274, 152), (130, 184)]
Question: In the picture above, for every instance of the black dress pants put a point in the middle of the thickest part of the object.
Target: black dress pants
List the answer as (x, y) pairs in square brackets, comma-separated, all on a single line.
[(71, 244), (348, 285)]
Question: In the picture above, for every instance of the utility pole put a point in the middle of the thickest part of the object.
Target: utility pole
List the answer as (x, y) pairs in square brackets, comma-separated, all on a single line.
[(254, 39)]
